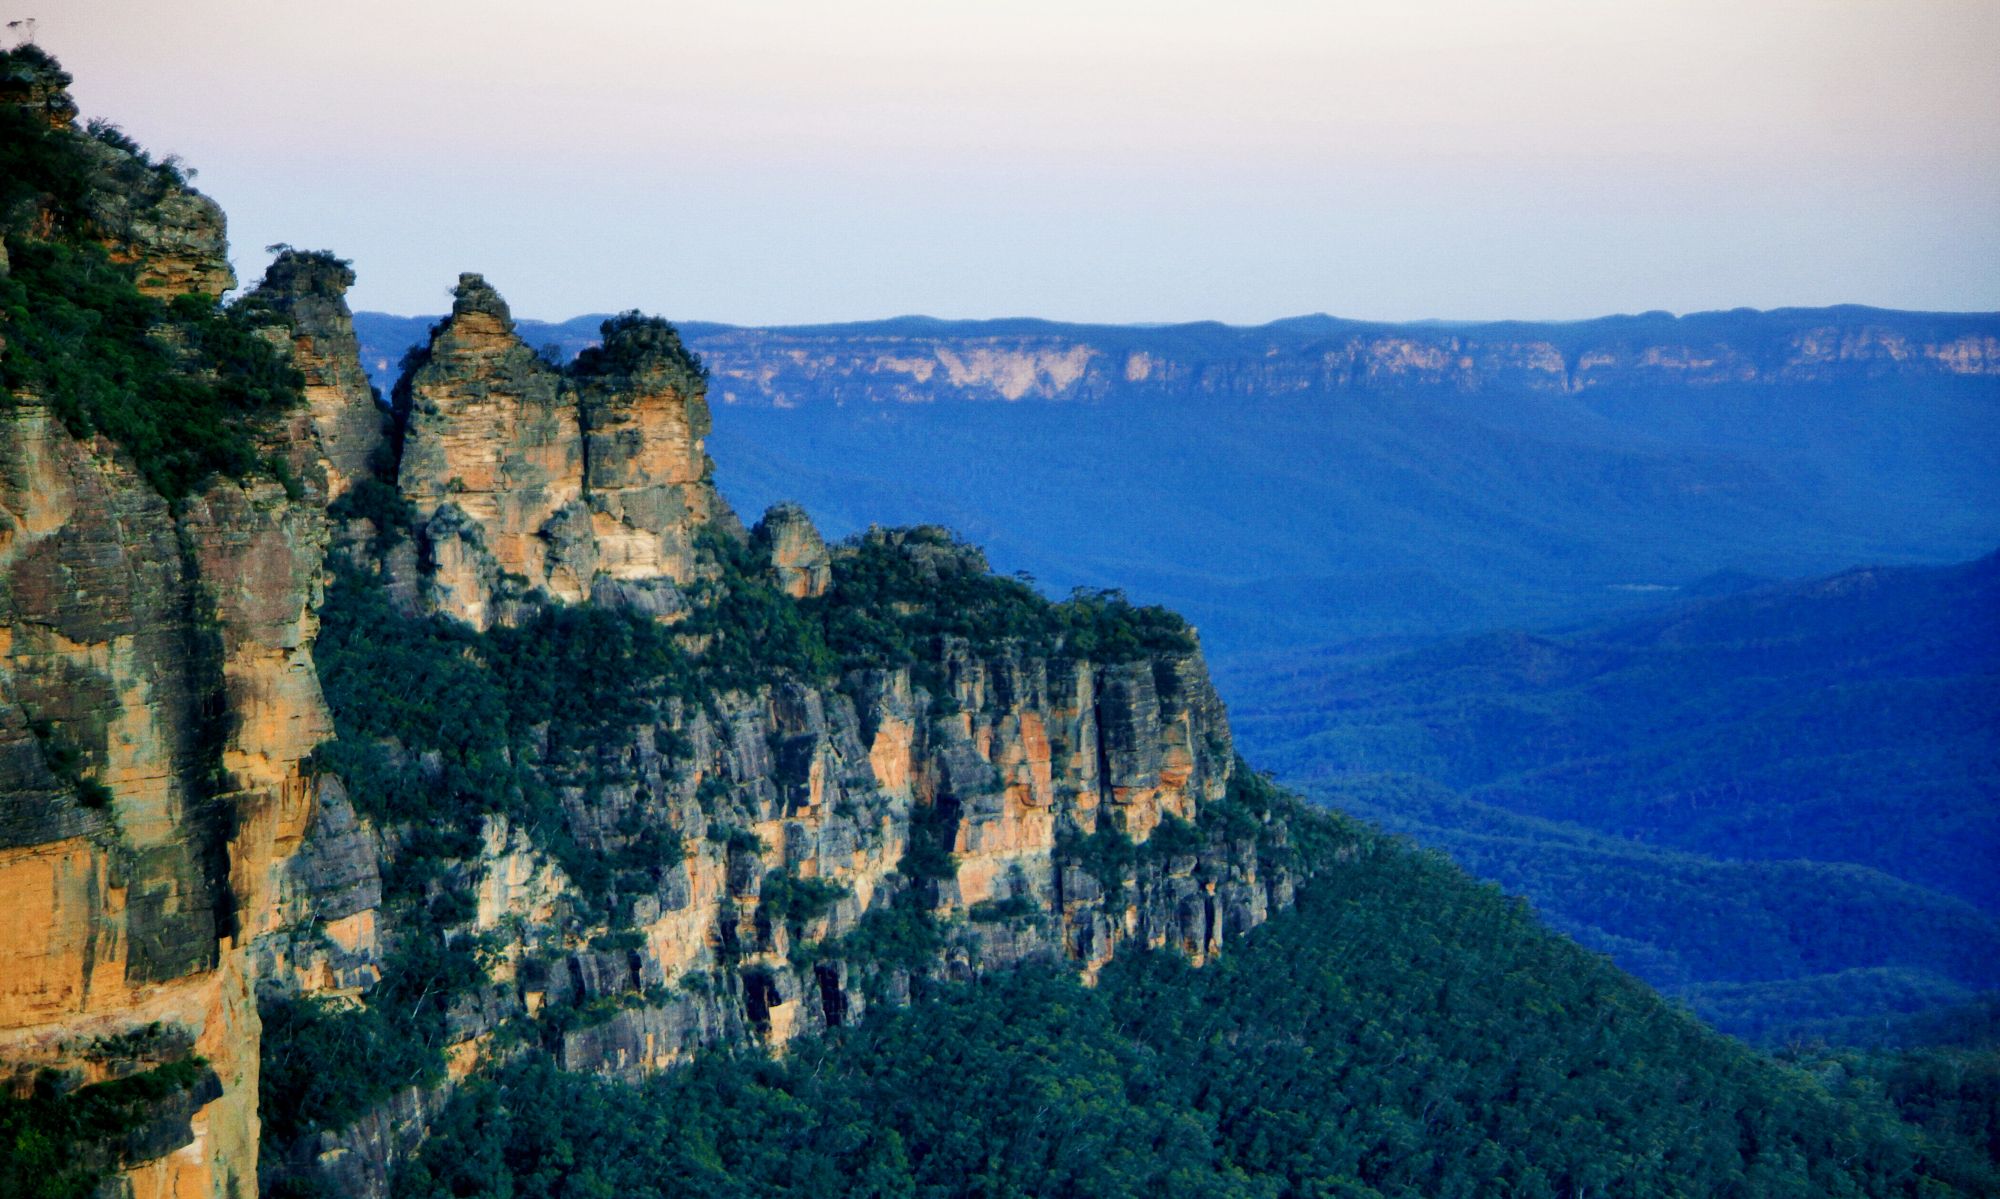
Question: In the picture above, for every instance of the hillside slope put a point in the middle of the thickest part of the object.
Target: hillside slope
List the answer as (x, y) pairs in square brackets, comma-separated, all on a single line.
[(1779, 804), (1403, 1031)]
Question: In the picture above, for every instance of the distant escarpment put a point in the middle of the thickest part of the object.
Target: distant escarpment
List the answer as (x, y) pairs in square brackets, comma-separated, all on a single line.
[(920, 360), (349, 747)]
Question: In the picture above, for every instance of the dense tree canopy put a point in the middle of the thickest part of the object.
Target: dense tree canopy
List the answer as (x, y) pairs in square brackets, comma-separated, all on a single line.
[(1405, 1032)]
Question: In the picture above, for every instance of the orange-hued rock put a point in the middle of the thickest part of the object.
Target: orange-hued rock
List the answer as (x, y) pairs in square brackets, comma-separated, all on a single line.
[(797, 554), (170, 651), (222, 864), (176, 243), (645, 419), (58, 946), (492, 460), (528, 481)]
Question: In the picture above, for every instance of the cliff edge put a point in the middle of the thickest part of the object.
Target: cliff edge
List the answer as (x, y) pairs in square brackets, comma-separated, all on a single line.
[(350, 747)]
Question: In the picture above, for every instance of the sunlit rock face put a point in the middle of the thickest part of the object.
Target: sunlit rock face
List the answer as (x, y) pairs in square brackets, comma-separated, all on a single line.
[(167, 654), (492, 456), (529, 481), (797, 554)]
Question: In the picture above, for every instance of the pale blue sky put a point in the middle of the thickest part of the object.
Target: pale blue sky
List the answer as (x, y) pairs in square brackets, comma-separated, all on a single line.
[(769, 161)]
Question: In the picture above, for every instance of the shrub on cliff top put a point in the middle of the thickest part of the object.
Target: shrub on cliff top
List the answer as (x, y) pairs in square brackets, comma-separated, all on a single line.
[(180, 385), (633, 341), (895, 594)]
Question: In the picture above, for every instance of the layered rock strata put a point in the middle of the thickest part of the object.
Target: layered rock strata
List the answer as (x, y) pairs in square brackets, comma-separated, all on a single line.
[(157, 699), (309, 291), (919, 361)]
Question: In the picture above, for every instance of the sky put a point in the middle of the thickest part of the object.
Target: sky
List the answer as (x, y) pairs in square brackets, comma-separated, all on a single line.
[(772, 161)]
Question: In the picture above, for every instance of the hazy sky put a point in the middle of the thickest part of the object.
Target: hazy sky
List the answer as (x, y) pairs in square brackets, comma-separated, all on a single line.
[(769, 161)]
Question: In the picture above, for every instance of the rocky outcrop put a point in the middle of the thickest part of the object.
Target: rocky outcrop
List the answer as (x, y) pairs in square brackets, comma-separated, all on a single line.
[(784, 853), (148, 216), (649, 482), (530, 481), (309, 291), (787, 539), (492, 461), (145, 213)]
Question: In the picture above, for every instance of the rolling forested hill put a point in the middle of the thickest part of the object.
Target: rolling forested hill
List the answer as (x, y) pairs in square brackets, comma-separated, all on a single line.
[(1778, 804)]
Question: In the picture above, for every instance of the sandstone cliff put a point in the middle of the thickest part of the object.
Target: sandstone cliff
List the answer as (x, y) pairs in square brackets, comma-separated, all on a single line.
[(764, 841), (525, 744), (157, 696), (533, 482)]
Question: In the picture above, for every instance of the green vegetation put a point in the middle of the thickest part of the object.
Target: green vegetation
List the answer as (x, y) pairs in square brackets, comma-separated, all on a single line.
[(179, 384), (1774, 805), (755, 632), (1107, 855), (632, 340), (927, 853), (796, 902), (326, 1062), (1403, 1032), (890, 604), (438, 725), (906, 935), (1004, 911), (68, 764), (62, 1146), (1947, 1085)]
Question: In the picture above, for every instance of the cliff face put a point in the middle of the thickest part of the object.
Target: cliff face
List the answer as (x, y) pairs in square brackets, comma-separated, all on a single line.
[(747, 794), (763, 852), (157, 696), (1002, 774), (309, 291)]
